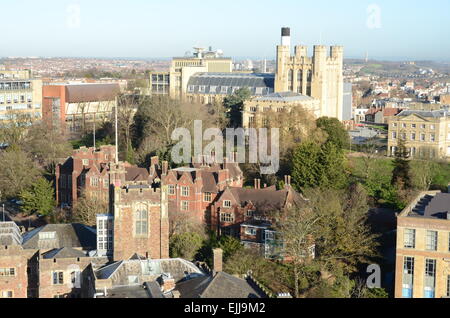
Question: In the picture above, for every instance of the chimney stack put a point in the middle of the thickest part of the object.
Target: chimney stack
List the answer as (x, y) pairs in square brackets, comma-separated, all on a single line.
[(218, 260), (167, 283), (165, 167), (286, 37)]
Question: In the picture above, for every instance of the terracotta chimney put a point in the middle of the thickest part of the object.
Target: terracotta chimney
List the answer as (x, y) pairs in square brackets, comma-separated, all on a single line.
[(259, 184), (256, 183), (218, 260), (289, 180), (167, 283)]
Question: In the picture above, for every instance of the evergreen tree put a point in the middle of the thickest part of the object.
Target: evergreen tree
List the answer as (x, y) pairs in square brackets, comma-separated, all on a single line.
[(235, 105), (402, 170), (39, 198), (337, 134)]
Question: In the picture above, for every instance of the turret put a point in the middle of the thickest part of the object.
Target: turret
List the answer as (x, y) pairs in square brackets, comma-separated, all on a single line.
[(283, 56)]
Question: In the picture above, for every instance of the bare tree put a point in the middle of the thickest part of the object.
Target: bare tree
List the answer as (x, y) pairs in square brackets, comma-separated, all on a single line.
[(297, 229), (86, 208)]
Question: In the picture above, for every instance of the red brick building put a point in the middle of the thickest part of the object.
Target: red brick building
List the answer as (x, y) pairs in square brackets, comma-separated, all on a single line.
[(247, 214), (193, 190), (141, 218), (86, 170), (74, 107)]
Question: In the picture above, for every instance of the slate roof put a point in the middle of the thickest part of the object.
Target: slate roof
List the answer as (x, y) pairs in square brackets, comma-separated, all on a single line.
[(67, 235), (266, 82), (80, 93), (285, 97), (265, 199), (178, 268), (439, 206), (65, 252), (221, 285), (423, 113)]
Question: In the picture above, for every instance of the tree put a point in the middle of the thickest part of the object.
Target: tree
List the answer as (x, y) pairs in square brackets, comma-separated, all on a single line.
[(230, 246), (235, 105), (337, 134), (306, 170), (47, 146), (185, 245), (14, 131), (318, 166), (86, 208), (402, 171), (17, 172), (343, 235), (40, 198), (158, 117), (297, 229)]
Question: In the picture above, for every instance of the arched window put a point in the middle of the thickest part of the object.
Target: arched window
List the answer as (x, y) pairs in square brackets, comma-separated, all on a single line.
[(300, 82), (141, 220), (291, 80)]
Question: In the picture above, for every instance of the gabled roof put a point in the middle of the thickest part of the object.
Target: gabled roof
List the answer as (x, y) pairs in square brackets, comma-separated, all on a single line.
[(66, 235), (222, 285), (65, 252), (265, 199)]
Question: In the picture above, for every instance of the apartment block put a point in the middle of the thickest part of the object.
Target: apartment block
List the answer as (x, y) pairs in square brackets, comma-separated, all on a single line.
[(426, 133), (423, 248)]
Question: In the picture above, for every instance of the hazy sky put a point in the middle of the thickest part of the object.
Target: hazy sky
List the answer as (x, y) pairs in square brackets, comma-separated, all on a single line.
[(396, 29)]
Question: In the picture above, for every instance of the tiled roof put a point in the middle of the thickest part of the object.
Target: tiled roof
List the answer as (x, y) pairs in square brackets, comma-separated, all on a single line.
[(66, 235), (222, 285), (423, 113)]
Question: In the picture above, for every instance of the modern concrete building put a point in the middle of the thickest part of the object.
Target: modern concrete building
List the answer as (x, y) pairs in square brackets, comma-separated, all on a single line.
[(20, 93), (423, 248), (426, 133)]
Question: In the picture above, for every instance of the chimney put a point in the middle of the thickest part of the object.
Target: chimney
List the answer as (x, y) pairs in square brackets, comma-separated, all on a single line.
[(218, 260), (259, 184), (167, 283), (223, 175), (286, 37), (288, 180), (165, 167), (256, 183)]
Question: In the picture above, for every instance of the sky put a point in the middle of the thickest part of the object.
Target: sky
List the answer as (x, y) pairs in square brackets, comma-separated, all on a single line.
[(385, 29)]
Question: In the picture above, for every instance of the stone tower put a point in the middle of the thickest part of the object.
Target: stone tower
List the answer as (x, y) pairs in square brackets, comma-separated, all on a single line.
[(320, 77), (140, 214)]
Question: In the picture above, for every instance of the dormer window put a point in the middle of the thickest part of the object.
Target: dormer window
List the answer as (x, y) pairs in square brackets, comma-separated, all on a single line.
[(47, 235)]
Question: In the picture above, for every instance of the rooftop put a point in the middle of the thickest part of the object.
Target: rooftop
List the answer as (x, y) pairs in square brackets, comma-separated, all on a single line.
[(424, 113), (285, 97)]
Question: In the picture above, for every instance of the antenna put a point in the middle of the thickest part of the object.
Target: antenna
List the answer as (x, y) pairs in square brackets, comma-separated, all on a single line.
[(117, 133)]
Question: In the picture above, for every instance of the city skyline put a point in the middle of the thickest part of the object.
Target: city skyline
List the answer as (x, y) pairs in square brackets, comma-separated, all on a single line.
[(152, 29)]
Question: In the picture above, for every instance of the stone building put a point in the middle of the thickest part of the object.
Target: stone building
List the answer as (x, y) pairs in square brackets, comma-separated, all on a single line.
[(319, 76), (257, 110), (426, 133), (423, 250)]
